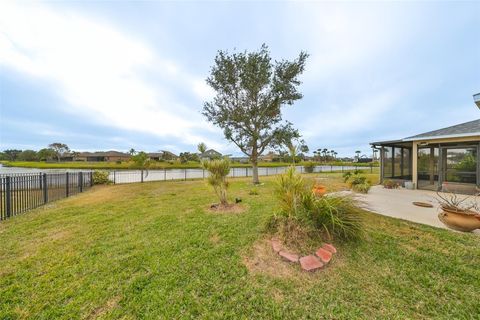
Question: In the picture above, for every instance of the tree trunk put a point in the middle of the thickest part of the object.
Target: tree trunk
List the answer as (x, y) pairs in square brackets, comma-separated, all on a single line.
[(255, 172)]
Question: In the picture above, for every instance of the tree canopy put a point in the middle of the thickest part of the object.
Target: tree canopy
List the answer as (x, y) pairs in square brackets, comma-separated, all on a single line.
[(251, 90), (59, 148)]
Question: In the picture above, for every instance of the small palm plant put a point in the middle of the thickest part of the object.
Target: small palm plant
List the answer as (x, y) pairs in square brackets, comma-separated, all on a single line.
[(218, 172)]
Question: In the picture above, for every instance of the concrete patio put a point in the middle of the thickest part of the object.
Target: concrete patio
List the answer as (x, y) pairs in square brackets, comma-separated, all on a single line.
[(397, 203)]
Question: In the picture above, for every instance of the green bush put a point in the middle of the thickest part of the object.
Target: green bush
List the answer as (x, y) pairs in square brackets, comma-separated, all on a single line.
[(361, 187), (358, 182), (101, 177), (309, 166)]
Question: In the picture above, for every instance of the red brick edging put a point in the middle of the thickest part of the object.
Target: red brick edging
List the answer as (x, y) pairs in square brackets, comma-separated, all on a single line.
[(312, 262)]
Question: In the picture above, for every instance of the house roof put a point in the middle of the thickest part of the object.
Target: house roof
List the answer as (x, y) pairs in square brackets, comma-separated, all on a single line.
[(476, 98), (209, 152), (467, 129), (471, 128), (161, 153), (110, 153)]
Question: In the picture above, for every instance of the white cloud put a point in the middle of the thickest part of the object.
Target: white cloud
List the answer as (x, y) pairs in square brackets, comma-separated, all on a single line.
[(99, 71)]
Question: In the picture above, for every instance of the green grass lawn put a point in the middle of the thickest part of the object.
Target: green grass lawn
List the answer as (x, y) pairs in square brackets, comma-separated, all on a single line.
[(153, 165), (153, 251)]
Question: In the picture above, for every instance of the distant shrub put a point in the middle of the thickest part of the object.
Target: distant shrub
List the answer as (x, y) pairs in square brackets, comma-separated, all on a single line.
[(118, 162), (101, 177), (309, 166)]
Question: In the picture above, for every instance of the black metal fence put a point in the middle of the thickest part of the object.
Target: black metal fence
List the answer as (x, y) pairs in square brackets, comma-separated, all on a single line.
[(25, 191), (20, 192)]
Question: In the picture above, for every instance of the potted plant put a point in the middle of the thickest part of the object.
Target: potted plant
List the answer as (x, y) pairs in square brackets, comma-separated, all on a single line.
[(319, 190), (458, 213), (390, 184)]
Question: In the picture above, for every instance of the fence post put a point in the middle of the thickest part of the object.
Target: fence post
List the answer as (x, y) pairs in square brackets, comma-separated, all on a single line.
[(80, 181), (114, 177), (342, 168), (267, 171), (141, 175), (8, 196), (203, 173), (164, 174), (66, 184), (45, 189), (246, 171), (331, 168), (185, 172)]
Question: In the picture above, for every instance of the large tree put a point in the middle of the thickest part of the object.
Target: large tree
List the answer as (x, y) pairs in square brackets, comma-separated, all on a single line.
[(202, 147), (251, 90), (59, 148), (46, 154)]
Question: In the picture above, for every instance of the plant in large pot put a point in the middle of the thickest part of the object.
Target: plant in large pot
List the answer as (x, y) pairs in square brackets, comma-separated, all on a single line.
[(458, 213)]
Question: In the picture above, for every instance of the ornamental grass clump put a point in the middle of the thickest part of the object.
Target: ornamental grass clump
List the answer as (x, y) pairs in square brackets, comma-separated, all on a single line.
[(304, 215), (218, 171), (290, 189)]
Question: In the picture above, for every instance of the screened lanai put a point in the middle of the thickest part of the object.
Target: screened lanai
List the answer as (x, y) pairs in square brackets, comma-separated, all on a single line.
[(444, 159)]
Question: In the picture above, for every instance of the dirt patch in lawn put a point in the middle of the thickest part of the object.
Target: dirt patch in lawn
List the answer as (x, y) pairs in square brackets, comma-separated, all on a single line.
[(261, 259), (229, 208), (105, 308)]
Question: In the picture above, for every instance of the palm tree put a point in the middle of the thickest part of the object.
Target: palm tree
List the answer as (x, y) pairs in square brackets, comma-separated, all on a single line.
[(324, 151), (334, 154), (358, 154)]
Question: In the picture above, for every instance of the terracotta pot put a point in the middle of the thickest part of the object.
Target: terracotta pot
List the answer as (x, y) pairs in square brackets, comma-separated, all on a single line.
[(459, 220), (319, 190)]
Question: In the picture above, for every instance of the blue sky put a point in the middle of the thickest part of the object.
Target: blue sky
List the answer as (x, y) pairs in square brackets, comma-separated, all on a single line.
[(117, 75)]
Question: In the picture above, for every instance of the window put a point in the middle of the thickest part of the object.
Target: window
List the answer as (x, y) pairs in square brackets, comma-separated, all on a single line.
[(397, 162), (406, 163), (461, 165), (387, 162)]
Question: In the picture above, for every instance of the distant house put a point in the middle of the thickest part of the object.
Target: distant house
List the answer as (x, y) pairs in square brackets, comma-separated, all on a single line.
[(363, 159), (162, 155), (269, 157), (210, 154), (99, 156), (242, 159)]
